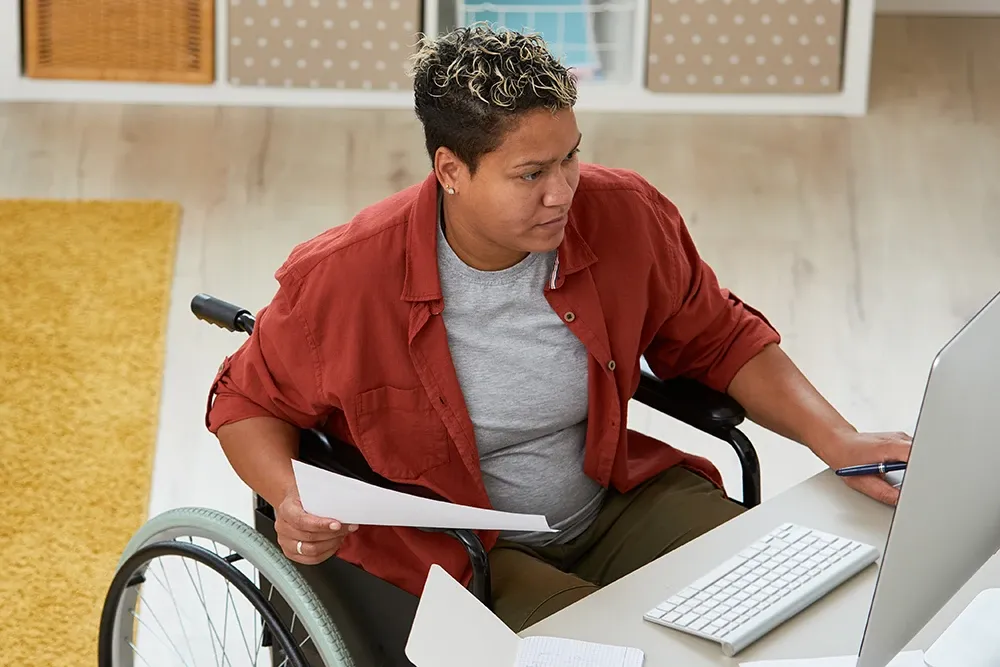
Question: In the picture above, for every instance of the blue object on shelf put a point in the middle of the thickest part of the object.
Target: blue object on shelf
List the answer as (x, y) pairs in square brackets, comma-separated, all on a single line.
[(565, 25)]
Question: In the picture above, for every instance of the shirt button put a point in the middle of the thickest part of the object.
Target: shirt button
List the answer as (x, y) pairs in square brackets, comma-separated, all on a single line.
[(611, 365), (570, 316)]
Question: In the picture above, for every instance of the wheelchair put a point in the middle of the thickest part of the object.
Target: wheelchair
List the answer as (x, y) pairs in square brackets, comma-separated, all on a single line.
[(330, 615)]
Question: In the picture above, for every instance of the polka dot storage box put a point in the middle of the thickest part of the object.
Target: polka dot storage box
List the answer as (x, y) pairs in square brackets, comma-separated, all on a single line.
[(745, 46), (348, 44)]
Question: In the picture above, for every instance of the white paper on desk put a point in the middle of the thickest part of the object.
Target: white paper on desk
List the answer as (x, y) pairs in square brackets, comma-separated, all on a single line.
[(971, 639), (329, 495), (453, 629), (904, 659)]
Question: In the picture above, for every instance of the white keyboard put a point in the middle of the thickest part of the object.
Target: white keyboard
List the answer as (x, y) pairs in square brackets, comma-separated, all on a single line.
[(763, 586)]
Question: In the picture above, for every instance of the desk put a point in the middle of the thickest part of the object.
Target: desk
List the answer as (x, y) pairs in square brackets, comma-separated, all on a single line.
[(832, 626)]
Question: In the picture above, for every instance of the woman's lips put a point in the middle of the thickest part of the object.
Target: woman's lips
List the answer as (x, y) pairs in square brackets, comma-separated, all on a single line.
[(554, 222)]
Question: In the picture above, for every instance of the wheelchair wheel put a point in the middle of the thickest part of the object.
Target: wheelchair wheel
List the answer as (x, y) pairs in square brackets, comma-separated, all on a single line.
[(189, 590)]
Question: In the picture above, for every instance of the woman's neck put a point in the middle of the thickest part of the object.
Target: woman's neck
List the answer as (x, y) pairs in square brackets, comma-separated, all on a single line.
[(472, 247)]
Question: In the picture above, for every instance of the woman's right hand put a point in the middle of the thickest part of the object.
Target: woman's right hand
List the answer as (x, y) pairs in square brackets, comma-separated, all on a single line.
[(306, 538)]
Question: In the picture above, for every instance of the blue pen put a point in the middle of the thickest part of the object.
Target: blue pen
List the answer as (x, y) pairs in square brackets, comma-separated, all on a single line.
[(872, 468)]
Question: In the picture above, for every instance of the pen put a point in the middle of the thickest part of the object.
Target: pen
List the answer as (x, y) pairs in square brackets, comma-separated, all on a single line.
[(872, 468)]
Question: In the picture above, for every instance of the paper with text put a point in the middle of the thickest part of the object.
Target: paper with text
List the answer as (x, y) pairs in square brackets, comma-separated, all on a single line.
[(558, 652), (453, 629), (329, 495), (904, 659)]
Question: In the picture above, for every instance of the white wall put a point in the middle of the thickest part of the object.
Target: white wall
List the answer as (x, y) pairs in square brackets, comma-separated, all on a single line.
[(940, 7)]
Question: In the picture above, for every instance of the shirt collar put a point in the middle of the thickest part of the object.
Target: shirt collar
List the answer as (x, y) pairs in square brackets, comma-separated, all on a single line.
[(422, 282)]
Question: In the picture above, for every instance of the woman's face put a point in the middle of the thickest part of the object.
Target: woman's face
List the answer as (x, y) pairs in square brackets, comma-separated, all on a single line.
[(520, 195)]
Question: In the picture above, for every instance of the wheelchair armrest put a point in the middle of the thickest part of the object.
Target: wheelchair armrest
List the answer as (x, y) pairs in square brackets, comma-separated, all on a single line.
[(707, 410), (691, 402), (318, 449)]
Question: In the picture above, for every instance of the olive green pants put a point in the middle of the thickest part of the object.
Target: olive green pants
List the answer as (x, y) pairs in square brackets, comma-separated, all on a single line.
[(632, 529)]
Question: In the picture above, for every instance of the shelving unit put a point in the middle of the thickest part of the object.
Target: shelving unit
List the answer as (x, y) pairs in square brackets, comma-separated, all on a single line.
[(622, 91)]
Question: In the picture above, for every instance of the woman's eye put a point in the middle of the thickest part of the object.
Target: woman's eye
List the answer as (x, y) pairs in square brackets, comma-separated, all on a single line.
[(532, 176)]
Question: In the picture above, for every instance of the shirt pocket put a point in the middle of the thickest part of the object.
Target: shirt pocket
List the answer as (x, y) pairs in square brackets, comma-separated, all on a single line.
[(401, 434)]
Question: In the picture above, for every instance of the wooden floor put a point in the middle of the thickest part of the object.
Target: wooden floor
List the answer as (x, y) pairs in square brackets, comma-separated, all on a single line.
[(868, 241)]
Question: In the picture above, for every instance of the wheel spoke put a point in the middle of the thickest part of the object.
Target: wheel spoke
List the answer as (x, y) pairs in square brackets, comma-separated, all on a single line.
[(135, 651), (154, 634)]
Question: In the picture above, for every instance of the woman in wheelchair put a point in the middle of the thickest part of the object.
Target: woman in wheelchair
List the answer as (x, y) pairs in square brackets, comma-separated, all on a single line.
[(478, 337)]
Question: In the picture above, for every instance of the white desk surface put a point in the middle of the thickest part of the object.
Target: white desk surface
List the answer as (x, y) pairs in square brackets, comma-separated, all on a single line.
[(832, 626)]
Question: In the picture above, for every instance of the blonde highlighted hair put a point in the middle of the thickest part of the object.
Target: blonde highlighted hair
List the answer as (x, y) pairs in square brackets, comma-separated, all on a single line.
[(471, 84)]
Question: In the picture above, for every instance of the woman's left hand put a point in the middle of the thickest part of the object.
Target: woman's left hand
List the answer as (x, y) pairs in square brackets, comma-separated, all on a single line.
[(852, 449)]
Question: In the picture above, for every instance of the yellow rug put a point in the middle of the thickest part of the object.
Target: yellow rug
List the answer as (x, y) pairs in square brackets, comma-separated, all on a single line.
[(84, 291)]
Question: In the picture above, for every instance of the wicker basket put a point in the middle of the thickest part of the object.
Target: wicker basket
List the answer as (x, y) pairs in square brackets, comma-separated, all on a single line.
[(127, 40)]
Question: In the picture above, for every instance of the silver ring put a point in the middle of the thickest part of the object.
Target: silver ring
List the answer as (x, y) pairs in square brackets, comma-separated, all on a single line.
[(298, 547)]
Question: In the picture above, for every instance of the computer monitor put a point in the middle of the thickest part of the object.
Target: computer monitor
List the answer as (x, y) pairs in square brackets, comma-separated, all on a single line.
[(946, 523)]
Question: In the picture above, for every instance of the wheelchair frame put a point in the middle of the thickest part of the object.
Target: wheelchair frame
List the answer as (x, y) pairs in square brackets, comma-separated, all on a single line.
[(381, 614)]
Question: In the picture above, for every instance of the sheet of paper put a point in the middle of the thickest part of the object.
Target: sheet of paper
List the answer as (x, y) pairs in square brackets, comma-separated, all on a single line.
[(558, 652), (348, 500), (904, 659), (971, 640), (453, 629)]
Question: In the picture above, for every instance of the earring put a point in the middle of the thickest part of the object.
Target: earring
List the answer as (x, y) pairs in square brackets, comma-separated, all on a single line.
[(450, 190)]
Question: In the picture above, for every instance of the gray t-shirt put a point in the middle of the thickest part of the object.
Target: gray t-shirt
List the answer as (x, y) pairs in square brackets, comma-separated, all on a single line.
[(523, 374)]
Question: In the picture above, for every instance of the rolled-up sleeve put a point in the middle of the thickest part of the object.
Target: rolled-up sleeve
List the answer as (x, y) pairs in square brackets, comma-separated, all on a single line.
[(703, 330), (275, 373)]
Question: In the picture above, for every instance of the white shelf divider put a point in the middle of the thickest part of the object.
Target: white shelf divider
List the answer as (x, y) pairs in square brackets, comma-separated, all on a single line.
[(852, 100)]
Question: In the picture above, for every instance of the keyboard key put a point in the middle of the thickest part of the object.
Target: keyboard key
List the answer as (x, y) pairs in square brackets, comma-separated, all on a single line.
[(687, 619), (797, 533)]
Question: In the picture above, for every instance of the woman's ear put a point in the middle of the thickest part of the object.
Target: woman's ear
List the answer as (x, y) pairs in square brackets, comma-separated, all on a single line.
[(449, 169)]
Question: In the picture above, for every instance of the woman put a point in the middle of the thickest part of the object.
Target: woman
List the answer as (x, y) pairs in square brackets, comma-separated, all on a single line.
[(480, 334)]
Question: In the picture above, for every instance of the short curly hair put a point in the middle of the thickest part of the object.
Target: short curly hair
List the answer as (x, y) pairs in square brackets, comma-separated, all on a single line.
[(472, 83)]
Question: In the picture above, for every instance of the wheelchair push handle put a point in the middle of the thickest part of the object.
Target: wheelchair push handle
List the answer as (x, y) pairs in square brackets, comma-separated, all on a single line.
[(222, 313)]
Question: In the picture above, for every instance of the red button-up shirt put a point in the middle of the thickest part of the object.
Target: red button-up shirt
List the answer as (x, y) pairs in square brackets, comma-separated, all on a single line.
[(353, 343)]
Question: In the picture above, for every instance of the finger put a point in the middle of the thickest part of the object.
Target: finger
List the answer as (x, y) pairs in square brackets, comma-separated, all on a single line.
[(312, 554), (311, 549), (877, 488), (896, 451), (314, 549), (286, 529), (302, 520)]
